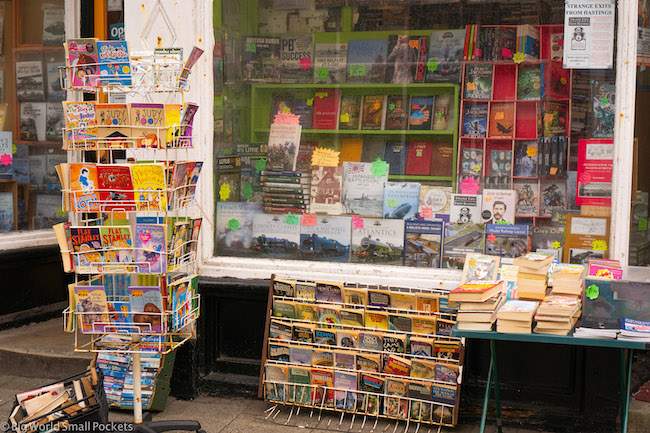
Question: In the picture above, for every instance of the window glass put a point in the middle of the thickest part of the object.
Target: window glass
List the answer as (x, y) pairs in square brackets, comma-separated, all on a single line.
[(427, 130)]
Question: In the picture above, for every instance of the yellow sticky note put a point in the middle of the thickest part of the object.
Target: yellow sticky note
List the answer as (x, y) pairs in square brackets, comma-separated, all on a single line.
[(325, 157), (499, 115), (345, 118)]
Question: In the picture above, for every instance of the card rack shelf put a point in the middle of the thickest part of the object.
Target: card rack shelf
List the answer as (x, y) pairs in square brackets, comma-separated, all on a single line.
[(528, 120), (363, 403)]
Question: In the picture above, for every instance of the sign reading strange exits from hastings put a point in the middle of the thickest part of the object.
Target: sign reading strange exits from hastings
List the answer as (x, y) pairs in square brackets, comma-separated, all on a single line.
[(589, 34)]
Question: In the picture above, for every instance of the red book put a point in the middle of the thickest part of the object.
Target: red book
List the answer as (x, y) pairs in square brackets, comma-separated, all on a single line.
[(558, 81), (115, 187), (326, 109), (419, 157), (475, 291)]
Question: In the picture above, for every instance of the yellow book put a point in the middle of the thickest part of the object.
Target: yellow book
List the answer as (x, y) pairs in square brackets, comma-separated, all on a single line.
[(403, 301), (377, 320), (355, 296), (173, 123), (428, 302), (423, 324), (351, 150), (307, 312), (149, 186)]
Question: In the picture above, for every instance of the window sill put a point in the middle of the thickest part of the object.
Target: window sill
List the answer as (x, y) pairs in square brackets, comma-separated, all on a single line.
[(27, 239), (396, 276)]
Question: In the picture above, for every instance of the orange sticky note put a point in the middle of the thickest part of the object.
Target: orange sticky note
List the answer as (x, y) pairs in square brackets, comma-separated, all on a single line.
[(499, 115), (471, 86), (548, 117), (308, 219)]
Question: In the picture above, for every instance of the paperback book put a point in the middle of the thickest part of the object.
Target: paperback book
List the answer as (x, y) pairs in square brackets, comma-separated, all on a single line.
[(273, 237), (350, 117), (529, 83), (420, 115), (475, 120), (284, 141), (525, 162), (478, 81), (465, 209), (326, 185), (363, 192), (330, 63), (401, 200), (527, 197), (150, 248), (366, 63), (498, 206), (506, 240), (296, 59), (328, 240), (234, 231), (446, 52), (114, 63), (261, 59), (553, 196), (401, 59), (502, 118), (459, 240), (423, 243), (372, 114), (397, 113), (378, 241)]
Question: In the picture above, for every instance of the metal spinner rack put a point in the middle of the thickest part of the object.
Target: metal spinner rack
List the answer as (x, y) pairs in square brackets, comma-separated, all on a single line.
[(169, 329)]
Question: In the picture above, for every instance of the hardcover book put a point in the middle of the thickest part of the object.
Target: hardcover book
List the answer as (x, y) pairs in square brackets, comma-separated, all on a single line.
[(114, 63), (326, 184), (372, 114), (330, 64), (506, 240), (525, 163), (401, 200), (420, 114), (401, 59), (438, 198), (585, 238), (547, 238), (527, 197), (283, 147), (397, 113), (502, 119), (304, 109), (273, 237), (351, 149), (441, 110), (373, 148), (235, 227), (395, 155), (367, 61), (379, 241), (446, 52), (328, 240), (442, 155), (363, 192), (150, 248), (261, 59), (461, 239), (478, 81), (475, 120), (326, 109), (296, 58), (555, 120), (498, 206), (423, 243), (350, 117), (529, 82), (147, 308)]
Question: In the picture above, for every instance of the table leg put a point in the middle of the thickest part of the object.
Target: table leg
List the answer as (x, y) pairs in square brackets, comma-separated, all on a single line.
[(626, 369), (488, 387), (497, 400)]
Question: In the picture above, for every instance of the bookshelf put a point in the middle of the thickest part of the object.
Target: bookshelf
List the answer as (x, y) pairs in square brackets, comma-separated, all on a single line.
[(492, 157)]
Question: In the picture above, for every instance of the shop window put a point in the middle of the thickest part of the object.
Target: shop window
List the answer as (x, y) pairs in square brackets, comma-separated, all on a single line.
[(427, 131)]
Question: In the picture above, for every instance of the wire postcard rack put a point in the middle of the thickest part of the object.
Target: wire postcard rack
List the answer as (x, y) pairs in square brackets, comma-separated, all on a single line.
[(181, 133)]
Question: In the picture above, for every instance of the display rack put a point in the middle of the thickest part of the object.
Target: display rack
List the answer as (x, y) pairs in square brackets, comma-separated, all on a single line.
[(174, 269), (358, 402)]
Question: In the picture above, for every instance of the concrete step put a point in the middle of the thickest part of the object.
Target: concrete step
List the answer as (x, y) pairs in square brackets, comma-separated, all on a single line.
[(41, 350)]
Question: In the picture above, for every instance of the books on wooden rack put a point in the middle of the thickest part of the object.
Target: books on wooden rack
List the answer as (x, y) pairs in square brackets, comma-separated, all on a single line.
[(568, 279), (532, 275), (516, 316), (557, 315)]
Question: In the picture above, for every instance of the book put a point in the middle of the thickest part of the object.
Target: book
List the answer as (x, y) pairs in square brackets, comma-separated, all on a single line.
[(471, 162), (117, 244), (583, 234), (373, 148), (376, 320), (443, 394), (379, 241), (55, 92), (330, 63), (149, 186), (603, 97), (502, 118), (80, 123), (401, 59), (304, 109), (475, 119), (148, 125), (322, 392), (372, 112), (54, 121), (345, 400), (53, 27), (362, 192), (150, 248), (553, 196), (555, 119), (354, 296), (147, 308), (525, 162), (83, 62), (261, 59), (527, 197), (394, 406), (229, 171), (595, 170), (400, 323), (283, 147), (395, 155), (273, 237), (518, 310), (480, 267), (465, 208), (296, 56), (442, 108), (326, 185), (529, 82), (83, 183), (280, 104), (329, 292), (368, 402), (397, 113), (446, 51), (275, 377), (528, 42), (401, 200), (396, 365), (351, 149), (419, 157), (86, 247), (366, 61), (92, 308), (115, 187), (113, 121), (547, 238), (442, 153), (438, 198), (423, 243), (328, 240), (475, 291), (114, 63), (478, 81), (350, 113), (347, 338), (420, 113), (506, 240), (326, 109), (498, 206)]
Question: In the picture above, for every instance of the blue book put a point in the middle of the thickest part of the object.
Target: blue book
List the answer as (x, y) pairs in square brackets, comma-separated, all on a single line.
[(423, 243), (328, 240), (367, 61), (401, 200), (506, 240), (305, 109), (525, 162), (475, 120), (114, 63), (446, 51), (395, 155)]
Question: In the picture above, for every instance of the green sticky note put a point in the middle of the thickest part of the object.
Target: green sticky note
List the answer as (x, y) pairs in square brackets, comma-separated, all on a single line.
[(439, 115), (247, 191), (357, 70), (643, 224), (260, 165), (13, 148), (432, 65), (391, 106), (604, 101), (391, 202), (322, 72), (61, 213), (592, 292), (379, 168), (503, 222), (233, 224), (251, 47), (292, 219)]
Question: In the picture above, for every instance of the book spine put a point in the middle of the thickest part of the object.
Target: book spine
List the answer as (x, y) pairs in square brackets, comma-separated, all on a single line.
[(280, 189), (283, 195), (467, 31), (273, 209), (290, 180), (275, 201), (281, 173)]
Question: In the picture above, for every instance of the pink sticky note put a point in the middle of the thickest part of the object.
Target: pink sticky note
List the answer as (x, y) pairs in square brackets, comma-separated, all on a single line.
[(6, 159), (308, 219), (286, 119), (469, 186), (585, 178), (506, 53), (305, 63), (427, 212), (357, 222)]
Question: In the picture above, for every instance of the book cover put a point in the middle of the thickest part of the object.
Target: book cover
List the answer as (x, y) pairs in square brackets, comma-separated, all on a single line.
[(420, 114), (465, 208), (471, 162), (328, 240), (372, 112), (442, 155), (83, 187), (423, 243), (6, 212), (330, 63), (595, 168), (475, 119), (506, 240), (326, 109), (478, 81), (558, 84), (420, 405), (370, 400), (396, 112), (553, 196), (480, 267), (367, 61), (525, 162), (92, 308), (299, 355), (603, 97), (438, 198), (29, 80), (114, 63), (350, 117), (150, 248), (527, 197), (345, 400), (296, 58), (87, 248), (502, 119), (80, 123), (54, 121), (234, 231), (275, 377), (373, 148), (395, 154), (322, 392), (395, 407), (83, 62), (117, 244), (326, 184), (283, 147), (281, 103), (585, 238), (443, 394), (379, 241), (401, 59), (261, 59), (53, 27), (55, 92), (401, 200), (148, 125), (273, 237), (555, 119), (460, 239), (446, 52), (529, 82), (419, 157), (149, 186), (147, 307), (363, 192), (420, 44), (304, 109), (547, 238), (113, 121), (441, 110), (351, 149), (498, 206), (115, 187), (528, 42)]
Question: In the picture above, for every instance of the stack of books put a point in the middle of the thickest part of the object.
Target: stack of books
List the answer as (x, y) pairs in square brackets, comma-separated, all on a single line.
[(532, 275), (605, 269), (582, 332), (479, 300), (285, 191), (634, 330), (516, 316), (557, 315), (568, 280)]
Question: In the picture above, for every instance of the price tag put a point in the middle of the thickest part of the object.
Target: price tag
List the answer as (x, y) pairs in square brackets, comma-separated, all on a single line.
[(308, 219), (499, 115), (357, 222)]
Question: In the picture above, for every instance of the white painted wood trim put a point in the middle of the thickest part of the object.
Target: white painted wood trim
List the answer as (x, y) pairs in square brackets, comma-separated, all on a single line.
[(619, 238), (23, 239)]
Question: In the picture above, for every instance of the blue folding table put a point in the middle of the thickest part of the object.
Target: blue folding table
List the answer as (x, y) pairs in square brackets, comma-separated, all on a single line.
[(626, 347)]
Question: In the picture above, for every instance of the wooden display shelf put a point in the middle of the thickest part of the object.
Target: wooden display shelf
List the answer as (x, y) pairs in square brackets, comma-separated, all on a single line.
[(364, 131)]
